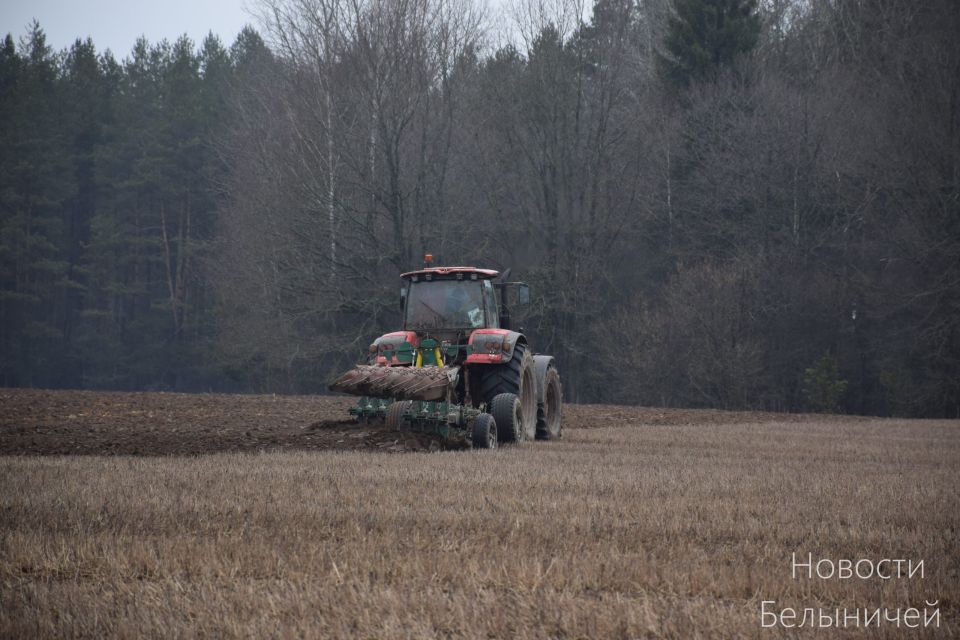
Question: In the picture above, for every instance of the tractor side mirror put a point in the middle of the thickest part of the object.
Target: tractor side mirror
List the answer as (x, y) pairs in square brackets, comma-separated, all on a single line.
[(403, 298), (523, 294)]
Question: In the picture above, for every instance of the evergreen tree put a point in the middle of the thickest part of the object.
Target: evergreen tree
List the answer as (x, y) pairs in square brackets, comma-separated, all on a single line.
[(123, 252), (706, 35), (36, 182), (86, 106)]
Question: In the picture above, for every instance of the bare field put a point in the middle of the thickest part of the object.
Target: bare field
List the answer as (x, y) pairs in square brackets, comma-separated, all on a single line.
[(262, 516)]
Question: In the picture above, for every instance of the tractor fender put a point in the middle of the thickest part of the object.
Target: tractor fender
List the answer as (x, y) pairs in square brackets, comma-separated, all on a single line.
[(493, 346)]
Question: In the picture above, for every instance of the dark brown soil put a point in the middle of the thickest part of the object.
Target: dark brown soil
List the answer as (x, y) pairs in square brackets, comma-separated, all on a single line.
[(43, 422)]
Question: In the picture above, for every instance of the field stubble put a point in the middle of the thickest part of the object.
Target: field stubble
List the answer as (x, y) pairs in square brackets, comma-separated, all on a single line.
[(639, 523)]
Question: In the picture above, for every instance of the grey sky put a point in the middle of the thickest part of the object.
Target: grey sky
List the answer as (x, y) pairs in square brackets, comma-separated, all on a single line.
[(116, 24)]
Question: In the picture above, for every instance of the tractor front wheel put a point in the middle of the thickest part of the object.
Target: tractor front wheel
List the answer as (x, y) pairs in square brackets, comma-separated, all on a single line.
[(517, 377)]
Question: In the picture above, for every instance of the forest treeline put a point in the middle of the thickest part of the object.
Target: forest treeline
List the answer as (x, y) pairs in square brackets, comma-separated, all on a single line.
[(716, 202)]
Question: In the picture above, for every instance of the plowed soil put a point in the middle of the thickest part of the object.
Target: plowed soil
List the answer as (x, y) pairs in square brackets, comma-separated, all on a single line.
[(40, 422), (43, 422)]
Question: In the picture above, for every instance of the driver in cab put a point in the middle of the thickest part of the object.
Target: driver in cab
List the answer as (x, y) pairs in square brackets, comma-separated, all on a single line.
[(463, 309)]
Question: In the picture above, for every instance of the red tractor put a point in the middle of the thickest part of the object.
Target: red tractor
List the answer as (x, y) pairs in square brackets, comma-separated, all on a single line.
[(457, 368)]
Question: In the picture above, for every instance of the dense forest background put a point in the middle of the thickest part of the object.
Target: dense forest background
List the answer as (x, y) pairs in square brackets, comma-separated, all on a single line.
[(717, 203)]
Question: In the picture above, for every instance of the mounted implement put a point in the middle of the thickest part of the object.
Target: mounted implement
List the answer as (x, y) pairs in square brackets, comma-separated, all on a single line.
[(456, 368)]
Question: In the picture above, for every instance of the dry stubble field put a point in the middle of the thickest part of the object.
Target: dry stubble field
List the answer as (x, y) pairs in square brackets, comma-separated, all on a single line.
[(167, 515)]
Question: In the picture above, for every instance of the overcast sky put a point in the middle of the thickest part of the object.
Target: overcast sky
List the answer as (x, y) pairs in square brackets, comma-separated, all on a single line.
[(116, 24)]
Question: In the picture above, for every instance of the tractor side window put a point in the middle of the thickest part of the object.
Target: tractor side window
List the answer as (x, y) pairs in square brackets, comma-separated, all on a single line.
[(493, 318)]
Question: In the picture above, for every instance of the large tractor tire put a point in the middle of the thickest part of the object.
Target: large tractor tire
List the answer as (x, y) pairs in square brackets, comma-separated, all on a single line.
[(517, 377), (484, 434), (508, 415), (549, 399)]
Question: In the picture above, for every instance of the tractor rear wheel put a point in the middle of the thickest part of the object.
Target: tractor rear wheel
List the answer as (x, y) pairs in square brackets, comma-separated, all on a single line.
[(518, 377), (395, 413), (484, 434), (549, 426)]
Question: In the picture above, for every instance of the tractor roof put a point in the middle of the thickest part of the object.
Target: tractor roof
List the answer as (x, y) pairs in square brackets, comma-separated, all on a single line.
[(450, 272)]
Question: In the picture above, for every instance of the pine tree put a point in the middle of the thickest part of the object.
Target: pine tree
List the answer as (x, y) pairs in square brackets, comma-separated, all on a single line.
[(117, 339), (35, 183), (706, 35), (85, 109)]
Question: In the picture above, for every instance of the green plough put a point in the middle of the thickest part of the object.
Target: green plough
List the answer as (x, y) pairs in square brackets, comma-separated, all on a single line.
[(453, 422), (369, 409)]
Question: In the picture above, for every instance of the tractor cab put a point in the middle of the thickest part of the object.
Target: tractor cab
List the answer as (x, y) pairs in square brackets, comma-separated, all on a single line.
[(450, 299), (457, 300)]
